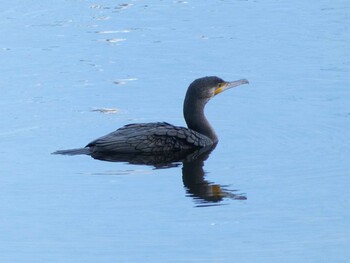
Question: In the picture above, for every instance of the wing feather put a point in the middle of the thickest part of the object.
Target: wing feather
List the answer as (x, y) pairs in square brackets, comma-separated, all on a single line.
[(149, 138)]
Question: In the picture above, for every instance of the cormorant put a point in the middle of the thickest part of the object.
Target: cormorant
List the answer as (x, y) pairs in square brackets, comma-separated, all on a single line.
[(160, 138)]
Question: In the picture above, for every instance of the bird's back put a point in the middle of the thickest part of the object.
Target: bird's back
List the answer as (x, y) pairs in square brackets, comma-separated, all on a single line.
[(153, 138)]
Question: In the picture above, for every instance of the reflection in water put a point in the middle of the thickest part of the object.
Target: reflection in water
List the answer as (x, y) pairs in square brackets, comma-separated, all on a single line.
[(205, 193), (199, 188)]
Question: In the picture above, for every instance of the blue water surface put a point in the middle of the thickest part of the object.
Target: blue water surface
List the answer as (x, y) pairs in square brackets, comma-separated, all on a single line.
[(284, 139)]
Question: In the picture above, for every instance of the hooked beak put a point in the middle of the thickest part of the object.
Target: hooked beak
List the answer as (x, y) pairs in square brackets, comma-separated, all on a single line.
[(227, 85)]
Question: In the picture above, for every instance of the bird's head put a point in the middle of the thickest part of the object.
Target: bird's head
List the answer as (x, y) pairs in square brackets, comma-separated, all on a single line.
[(207, 87), (198, 94)]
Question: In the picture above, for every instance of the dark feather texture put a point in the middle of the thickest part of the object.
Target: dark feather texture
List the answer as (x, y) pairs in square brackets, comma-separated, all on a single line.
[(158, 137)]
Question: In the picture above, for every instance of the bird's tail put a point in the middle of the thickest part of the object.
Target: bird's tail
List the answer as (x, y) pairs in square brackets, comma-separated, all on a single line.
[(85, 150)]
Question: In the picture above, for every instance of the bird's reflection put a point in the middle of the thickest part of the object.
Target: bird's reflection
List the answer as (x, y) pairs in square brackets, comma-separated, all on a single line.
[(193, 175), (203, 191)]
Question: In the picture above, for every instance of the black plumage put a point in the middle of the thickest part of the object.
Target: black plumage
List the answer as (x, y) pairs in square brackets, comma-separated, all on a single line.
[(162, 137), (155, 137)]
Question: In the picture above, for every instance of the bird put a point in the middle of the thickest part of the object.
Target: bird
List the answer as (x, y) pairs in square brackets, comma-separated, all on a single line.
[(162, 138)]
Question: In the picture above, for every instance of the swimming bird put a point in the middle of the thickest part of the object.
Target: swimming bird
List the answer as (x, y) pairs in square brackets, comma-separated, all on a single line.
[(161, 138)]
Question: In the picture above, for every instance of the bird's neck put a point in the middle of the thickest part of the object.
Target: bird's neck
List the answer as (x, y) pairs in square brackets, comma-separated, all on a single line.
[(194, 115)]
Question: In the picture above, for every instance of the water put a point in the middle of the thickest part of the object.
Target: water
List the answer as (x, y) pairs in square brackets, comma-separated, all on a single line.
[(283, 139)]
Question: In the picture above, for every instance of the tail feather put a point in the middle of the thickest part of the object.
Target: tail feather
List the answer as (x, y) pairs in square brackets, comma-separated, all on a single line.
[(85, 150)]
